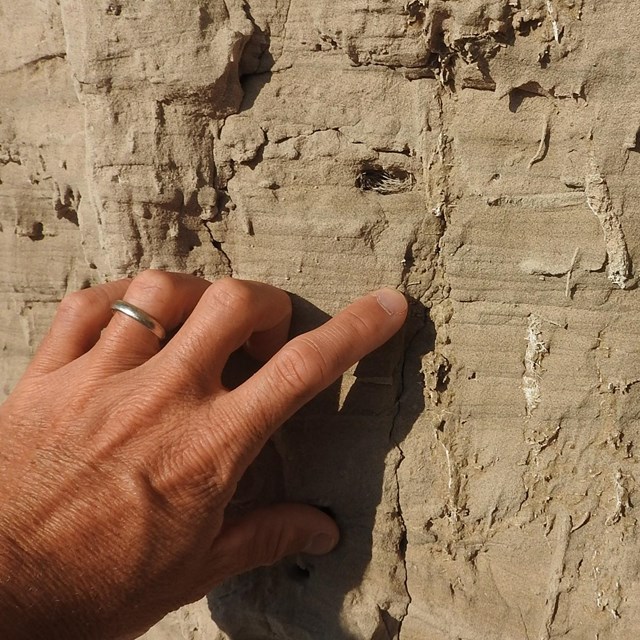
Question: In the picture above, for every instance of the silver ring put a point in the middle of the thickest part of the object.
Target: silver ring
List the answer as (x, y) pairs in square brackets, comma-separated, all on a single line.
[(143, 318)]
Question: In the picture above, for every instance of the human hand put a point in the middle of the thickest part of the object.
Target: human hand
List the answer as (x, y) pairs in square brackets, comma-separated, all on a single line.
[(119, 455)]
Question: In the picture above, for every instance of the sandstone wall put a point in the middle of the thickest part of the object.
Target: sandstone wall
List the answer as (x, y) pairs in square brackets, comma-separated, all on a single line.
[(480, 155)]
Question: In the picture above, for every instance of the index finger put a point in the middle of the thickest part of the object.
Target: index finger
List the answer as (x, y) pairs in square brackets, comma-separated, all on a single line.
[(306, 365)]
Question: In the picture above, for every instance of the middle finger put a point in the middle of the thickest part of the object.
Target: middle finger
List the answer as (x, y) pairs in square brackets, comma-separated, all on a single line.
[(230, 314)]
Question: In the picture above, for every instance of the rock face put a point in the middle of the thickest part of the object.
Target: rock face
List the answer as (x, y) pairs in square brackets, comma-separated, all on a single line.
[(480, 155)]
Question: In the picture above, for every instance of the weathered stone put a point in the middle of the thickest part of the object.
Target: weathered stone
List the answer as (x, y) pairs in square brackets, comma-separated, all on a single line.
[(480, 155)]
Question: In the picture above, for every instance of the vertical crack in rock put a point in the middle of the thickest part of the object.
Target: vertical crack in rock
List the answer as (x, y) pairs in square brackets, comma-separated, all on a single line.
[(402, 547), (599, 201), (563, 525), (218, 246), (285, 26), (428, 287)]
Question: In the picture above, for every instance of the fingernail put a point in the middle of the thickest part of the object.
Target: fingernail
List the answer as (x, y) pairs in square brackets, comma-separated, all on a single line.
[(392, 301), (320, 544)]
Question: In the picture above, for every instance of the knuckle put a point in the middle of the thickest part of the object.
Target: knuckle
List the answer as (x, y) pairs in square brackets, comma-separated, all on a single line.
[(188, 470), (76, 304), (355, 327), (152, 283), (235, 296), (301, 366)]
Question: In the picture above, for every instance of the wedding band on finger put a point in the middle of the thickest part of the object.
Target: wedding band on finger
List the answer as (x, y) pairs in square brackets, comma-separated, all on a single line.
[(139, 315)]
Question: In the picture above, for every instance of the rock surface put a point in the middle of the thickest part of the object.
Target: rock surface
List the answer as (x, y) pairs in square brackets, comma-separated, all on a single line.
[(481, 155)]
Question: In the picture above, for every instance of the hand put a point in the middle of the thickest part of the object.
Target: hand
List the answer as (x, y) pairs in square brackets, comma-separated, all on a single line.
[(119, 455)]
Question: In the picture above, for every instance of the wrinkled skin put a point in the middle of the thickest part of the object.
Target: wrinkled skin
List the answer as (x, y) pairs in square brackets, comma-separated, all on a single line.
[(120, 452)]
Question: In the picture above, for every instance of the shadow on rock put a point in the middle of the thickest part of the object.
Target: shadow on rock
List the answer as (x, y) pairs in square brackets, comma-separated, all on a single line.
[(333, 454)]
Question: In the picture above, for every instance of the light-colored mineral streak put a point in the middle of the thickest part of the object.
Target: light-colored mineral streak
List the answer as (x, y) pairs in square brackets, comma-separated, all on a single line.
[(599, 201), (535, 351)]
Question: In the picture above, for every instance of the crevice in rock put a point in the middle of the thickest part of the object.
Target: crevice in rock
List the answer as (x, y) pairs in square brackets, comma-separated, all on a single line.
[(256, 57), (419, 339), (429, 292), (218, 246), (36, 61), (402, 546)]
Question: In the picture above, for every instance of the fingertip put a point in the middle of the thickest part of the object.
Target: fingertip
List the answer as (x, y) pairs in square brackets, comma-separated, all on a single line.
[(326, 536), (268, 534), (392, 301), (321, 544)]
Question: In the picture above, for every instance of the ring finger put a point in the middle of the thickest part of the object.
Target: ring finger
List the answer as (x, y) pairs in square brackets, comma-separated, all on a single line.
[(169, 298)]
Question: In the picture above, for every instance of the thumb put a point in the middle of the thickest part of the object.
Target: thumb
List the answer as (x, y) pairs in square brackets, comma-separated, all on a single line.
[(266, 535)]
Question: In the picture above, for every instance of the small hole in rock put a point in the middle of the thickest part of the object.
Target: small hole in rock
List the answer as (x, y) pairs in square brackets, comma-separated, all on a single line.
[(37, 231), (544, 58), (385, 181), (442, 377), (299, 573)]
